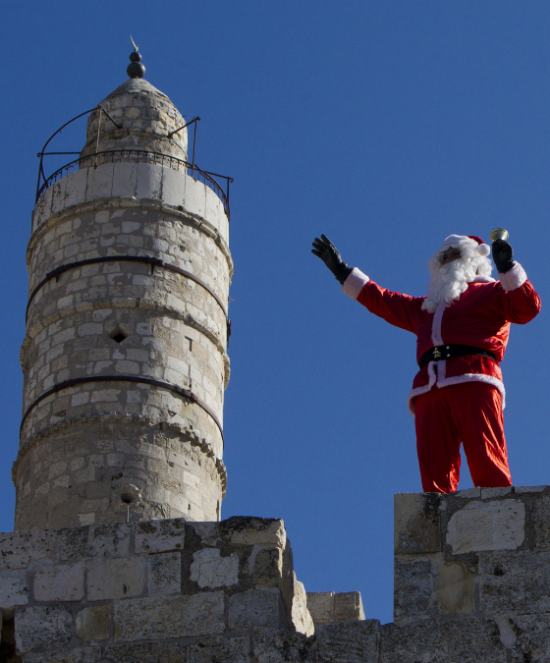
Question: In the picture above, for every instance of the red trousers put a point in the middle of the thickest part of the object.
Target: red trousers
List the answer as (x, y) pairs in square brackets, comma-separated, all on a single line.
[(469, 413)]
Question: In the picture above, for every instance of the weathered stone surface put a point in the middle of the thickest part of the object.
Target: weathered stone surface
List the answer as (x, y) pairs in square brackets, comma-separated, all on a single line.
[(413, 586), (515, 583), (254, 531), (13, 589), (261, 607), (300, 616), (282, 647), (59, 582), (209, 569), (469, 493), (348, 606), (66, 655), (124, 318), (416, 523), (206, 650), (157, 536), (269, 567), (116, 578), (164, 574), (18, 549), (321, 606), (456, 640), (456, 589), (497, 525), (42, 626), (95, 541), (94, 623), (541, 519), (530, 638), (355, 642), (499, 491), (169, 617)]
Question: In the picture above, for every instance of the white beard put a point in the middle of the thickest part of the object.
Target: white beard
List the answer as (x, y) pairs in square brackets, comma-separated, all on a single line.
[(449, 281)]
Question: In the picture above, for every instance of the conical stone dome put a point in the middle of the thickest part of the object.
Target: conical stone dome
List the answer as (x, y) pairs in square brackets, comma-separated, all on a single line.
[(145, 116)]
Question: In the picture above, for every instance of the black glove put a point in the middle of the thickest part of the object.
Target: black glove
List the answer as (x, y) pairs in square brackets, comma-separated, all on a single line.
[(323, 248), (502, 255)]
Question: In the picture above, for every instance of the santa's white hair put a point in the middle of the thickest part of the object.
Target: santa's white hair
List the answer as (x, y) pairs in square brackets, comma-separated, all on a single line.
[(449, 281)]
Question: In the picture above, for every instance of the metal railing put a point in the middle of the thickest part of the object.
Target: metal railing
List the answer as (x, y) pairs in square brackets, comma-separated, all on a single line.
[(143, 156)]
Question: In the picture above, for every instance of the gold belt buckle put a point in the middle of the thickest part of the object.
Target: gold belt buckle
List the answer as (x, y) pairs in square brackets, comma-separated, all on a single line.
[(437, 353)]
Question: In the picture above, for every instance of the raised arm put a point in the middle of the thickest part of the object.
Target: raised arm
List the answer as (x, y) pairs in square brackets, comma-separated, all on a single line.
[(519, 301), (394, 307)]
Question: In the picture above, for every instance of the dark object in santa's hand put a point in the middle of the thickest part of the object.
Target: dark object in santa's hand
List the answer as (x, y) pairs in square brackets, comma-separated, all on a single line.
[(323, 248), (503, 256)]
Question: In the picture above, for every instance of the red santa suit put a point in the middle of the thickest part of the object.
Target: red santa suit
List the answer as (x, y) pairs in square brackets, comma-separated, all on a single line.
[(469, 408)]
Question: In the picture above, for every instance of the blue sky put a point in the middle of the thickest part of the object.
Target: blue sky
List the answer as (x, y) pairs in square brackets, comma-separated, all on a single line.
[(386, 126)]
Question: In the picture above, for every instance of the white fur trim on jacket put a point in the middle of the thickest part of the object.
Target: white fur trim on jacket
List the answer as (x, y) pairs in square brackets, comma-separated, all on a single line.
[(355, 282), (459, 379), (436, 324), (514, 278)]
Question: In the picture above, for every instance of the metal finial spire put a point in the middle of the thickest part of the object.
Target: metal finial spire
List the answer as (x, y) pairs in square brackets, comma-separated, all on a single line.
[(135, 68)]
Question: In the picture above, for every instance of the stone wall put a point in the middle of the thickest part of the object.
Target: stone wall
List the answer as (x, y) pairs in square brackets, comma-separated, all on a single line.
[(472, 585), (97, 593), (472, 577)]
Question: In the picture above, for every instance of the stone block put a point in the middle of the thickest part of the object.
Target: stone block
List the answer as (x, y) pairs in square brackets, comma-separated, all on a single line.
[(124, 180), (300, 616), (413, 585), (242, 530), (207, 650), (468, 493), (155, 536), (173, 187), (59, 582), (268, 567), (348, 606), (479, 526), (42, 626), (169, 617), (355, 642), (77, 182), (66, 655), (529, 489), (100, 182), (515, 583), (94, 623), (164, 574), (529, 638), (541, 520), (255, 608), (455, 593), (115, 578), (270, 646), (321, 606), (452, 640), (18, 549), (416, 523), (95, 541), (209, 569), (13, 589), (149, 179), (487, 493)]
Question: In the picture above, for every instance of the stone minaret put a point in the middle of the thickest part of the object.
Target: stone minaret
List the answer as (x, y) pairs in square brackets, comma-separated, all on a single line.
[(124, 358)]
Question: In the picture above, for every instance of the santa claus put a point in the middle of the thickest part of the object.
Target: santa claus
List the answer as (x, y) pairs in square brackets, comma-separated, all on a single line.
[(462, 328)]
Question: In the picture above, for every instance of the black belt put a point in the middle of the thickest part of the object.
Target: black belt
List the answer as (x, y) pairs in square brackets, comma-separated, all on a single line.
[(441, 352)]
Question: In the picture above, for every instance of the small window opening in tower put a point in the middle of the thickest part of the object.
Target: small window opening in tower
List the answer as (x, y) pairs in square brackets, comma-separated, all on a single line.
[(118, 335)]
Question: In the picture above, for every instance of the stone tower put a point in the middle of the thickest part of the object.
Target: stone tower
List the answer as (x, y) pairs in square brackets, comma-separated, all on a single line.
[(124, 357)]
